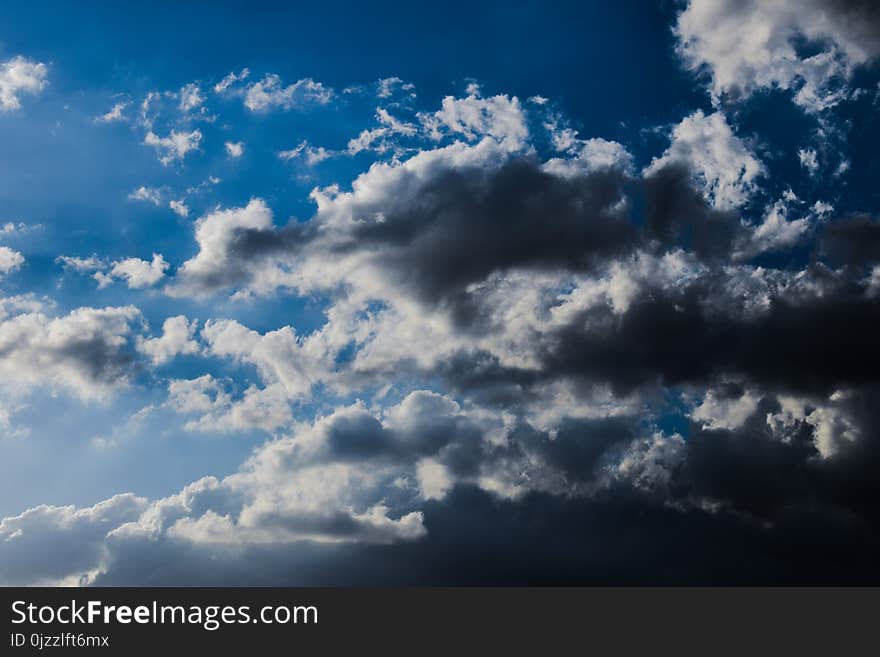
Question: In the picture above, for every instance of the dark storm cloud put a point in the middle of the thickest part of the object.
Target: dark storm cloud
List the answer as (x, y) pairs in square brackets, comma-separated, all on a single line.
[(361, 436), (672, 337), (475, 539), (465, 225), (860, 19), (579, 446), (676, 214), (852, 241), (779, 514)]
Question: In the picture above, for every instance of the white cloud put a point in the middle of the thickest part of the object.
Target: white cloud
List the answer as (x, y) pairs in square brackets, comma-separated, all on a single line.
[(20, 228), (213, 265), (500, 117), (234, 148), (809, 160), (25, 536), (10, 261), (115, 113), (312, 154), (267, 409), (388, 87), (81, 265), (230, 80), (832, 427), (191, 97), (140, 273), (175, 146), (648, 463), (177, 338), (199, 395), (148, 194), (179, 207), (720, 161), (84, 351), (776, 231), (270, 92), (18, 76), (434, 479), (752, 45), (380, 139), (590, 155), (280, 356), (719, 411)]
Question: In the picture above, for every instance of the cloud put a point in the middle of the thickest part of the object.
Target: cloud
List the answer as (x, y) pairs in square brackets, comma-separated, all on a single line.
[(270, 93), (20, 228), (311, 154), (590, 155), (86, 352), (389, 87), (175, 146), (234, 148), (382, 138), (500, 117), (81, 265), (720, 162), (853, 241), (232, 78), (179, 207), (777, 232), (18, 76), (135, 272), (10, 261), (114, 114), (82, 530), (148, 194), (139, 273), (267, 409), (809, 160), (748, 46), (216, 265), (177, 338), (191, 97)]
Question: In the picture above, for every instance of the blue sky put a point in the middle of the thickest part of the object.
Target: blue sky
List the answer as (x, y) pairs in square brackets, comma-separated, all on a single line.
[(418, 252)]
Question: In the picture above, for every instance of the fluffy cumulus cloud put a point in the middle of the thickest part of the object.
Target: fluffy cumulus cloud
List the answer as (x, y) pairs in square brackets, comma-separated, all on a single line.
[(500, 117), (176, 339), (135, 272), (217, 264), (87, 352), (526, 332), (749, 46), (722, 164), (139, 273), (10, 260), (20, 76), (82, 529)]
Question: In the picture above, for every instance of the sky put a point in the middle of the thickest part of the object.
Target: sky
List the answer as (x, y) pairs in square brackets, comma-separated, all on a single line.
[(498, 293)]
